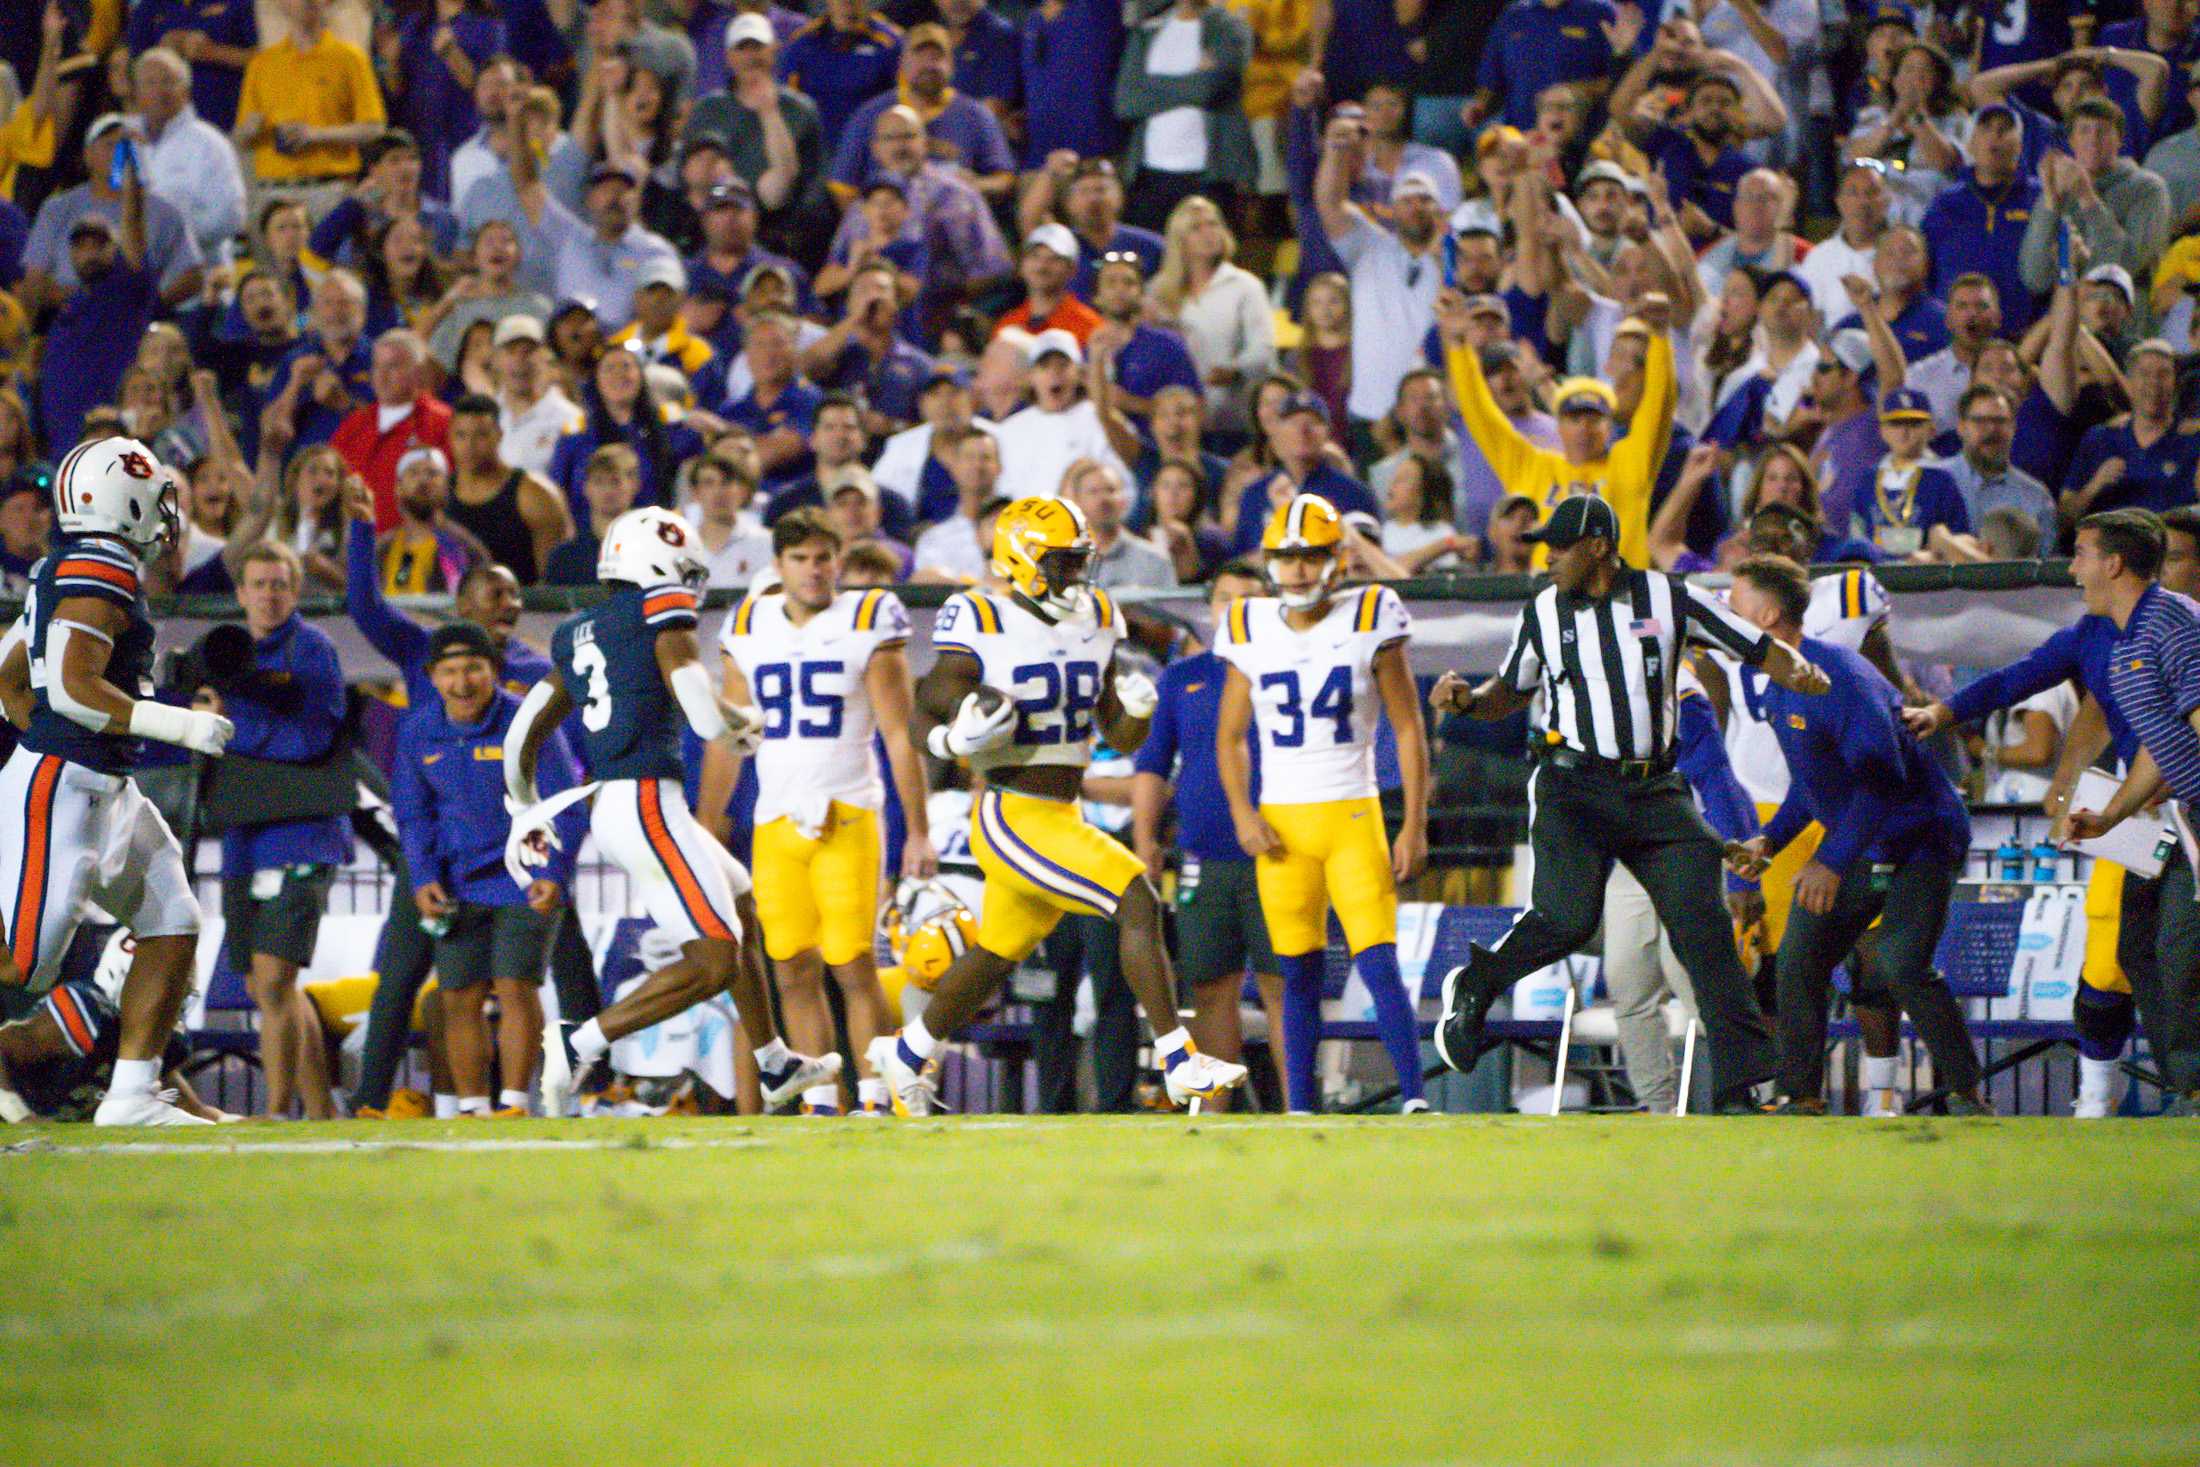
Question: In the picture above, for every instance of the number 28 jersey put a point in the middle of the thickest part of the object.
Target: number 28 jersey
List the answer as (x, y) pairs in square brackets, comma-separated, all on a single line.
[(1314, 694), (808, 679), (630, 722), (1053, 671)]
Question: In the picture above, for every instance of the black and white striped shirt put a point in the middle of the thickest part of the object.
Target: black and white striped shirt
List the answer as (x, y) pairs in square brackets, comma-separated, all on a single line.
[(1608, 666)]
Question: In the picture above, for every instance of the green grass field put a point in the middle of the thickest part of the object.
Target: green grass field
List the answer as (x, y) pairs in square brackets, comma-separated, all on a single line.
[(1597, 1293)]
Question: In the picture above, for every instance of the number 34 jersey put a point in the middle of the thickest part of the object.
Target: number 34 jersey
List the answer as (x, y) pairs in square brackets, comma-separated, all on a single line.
[(808, 679), (1053, 671), (1314, 694), (607, 656)]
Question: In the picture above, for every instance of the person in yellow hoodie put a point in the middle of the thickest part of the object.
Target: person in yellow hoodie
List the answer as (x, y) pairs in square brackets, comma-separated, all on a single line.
[(1586, 461)]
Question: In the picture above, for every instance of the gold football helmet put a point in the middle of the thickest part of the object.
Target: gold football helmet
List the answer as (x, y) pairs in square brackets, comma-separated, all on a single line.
[(1042, 548)]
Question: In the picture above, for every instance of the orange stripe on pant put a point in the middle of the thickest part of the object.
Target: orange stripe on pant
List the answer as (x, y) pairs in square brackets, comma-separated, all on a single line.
[(676, 866), (72, 1020), (30, 900)]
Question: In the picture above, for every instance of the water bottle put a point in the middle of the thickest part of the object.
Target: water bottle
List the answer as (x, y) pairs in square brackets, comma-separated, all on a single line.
[(2046, 863), (2009, 858)]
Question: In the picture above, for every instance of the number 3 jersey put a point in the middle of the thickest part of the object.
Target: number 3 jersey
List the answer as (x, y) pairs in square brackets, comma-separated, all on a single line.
[(607, 656), (1314, 693), (1053, 671), (105, 570), (808, 679)]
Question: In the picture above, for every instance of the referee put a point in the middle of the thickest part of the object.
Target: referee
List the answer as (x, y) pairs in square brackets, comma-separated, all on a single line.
[(1603, 643)]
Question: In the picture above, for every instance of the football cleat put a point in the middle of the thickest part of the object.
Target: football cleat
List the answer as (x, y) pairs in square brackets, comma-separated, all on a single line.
[(1190, 1075), (408, 1105), (804, 1071), (564, 1073), (1414, 1108), (146, 1108), (1459, 1031), (910, 1086)]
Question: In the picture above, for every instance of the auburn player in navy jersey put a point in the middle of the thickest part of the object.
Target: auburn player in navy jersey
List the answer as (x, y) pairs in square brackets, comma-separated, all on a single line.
[(73, 828), (1021, 684), (634, 667)]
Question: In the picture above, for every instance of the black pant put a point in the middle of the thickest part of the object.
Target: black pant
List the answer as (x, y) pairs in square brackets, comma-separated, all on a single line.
[(1582, 822), (2158, 947), (1086, 946), (1914, 908), (1154, 195)]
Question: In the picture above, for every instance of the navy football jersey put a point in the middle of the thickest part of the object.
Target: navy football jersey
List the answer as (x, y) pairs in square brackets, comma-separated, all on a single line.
[(103, 568), (70, 1088), (630, 722)]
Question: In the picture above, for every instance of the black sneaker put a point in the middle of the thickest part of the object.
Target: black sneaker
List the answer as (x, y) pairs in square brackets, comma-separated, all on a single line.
[(1964, 1105), (1798, 1105), (2183, 1107), (1741, 1100), (1459, 1031)]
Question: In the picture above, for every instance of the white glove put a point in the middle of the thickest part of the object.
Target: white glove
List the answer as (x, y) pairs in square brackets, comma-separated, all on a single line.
[(540, 845), (208, 733), (974, 730), (744, 727), (190, 728), (1136, 694)]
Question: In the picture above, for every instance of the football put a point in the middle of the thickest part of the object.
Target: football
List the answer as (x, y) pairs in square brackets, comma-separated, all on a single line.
[(989, 699)]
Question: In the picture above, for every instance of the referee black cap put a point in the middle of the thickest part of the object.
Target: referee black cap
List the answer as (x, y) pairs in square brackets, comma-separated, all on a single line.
[(461, 639), (1585, 517)]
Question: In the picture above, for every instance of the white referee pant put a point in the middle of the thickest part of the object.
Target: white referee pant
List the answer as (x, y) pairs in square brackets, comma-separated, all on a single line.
[(1640, 973), (70, 835)]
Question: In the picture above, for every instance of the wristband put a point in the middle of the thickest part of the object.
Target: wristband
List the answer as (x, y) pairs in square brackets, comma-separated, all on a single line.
[(150, 719)]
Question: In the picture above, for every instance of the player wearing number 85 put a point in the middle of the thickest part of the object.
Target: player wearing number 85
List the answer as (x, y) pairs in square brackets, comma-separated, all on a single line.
[(633, 665), (1050, 646), (1307, 669), (828, 669)]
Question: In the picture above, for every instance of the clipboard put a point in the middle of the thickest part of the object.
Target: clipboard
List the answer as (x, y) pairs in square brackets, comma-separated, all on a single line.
[(2138, 845)]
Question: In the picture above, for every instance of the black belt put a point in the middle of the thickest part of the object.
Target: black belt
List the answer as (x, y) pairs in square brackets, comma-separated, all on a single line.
[(1628, 769)]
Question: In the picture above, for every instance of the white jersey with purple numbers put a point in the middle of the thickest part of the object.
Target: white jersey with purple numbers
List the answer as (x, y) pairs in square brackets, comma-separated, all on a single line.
[(1053, 671), (1315, 699)]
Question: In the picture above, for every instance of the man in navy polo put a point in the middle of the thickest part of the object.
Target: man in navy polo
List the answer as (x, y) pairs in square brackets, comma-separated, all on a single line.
[(962, 130), (988, 55), (1977, 225), (840, 61), (1219, 928), (1896, 836), (2144, 460), (2154, 672)]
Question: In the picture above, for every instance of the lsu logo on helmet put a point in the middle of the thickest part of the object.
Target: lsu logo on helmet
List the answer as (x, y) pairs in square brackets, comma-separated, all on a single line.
[(1042, 548)]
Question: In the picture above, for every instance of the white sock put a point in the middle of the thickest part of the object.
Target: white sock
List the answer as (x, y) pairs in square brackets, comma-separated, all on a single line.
[(2096, 1078), (510, 1099), (134, 1077), (1878, 1071), (823, 1096), (871, 1092), (919, 1039), (774, 1056), (473, 1105), (1176, 1039), (446, 1106), (589, 1040)]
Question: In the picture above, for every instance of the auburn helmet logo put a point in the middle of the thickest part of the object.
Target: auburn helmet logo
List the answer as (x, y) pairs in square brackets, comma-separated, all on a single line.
[(671, 532), (135, 464)]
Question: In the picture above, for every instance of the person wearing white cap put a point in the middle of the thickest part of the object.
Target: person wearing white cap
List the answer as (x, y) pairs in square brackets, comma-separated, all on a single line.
[(2108, 307), (170, 251), (1395, 276), (1060, 426), (425, 553), (657, 331), (604, 262), (1048, 264), (770, 131), (532, 408)]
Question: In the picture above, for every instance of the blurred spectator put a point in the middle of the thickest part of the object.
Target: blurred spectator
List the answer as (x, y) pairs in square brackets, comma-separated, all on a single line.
[(376, 436), (1390, 154), (779, 406), (1844, 395), (217, 38), (1421, 418), (431, 56), (610, 483), (1323, 357), (1358, 42), (325, 374), (837, 442), (1861, 202), (963, 251), (840, 60), (1417, 528), (2145, 460), (1982, 471), (1062, 424), (1970, 224), (521, 194), (2120, 209), (1304, 465), (1143, 359), (188, 161), (1758, 396), (1048, 262), (2108, 308), (18, 443), (288, 707), (107, 298), (405, 280), (1279, 30), (1506, 549), (27, 133), (497, 94), (627, 116), (954, 549), (771, 132), (426, 552), (915, 463), (2175, 159), (534, 413), (1699, 148), (165, 247), (26, 532), (1068, 45), (1087, 195), (735, 544), (1973, 318), (603, 264), (657, 333), (1179, 84), (489, 291), (855, 508), (1181, 519), (389, 188), (1119, 558), (1219, 307), (987, 52), (864, 356), (727, 222), (962, 131), (617, 406), (1395, 276), (518, 517), (1899, 265), (2162, 34), (212, 505), (1914, 508), (300, 505), (1917, 133), (309, 100), (1535, 44)]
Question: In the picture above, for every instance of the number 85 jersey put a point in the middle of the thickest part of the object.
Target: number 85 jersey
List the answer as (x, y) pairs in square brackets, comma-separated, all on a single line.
[(1314, 694), (808, 679), (1053, 671)]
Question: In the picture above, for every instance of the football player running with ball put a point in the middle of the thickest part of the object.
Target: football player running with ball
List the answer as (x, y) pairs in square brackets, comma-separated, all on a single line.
[(1021, 683), (635, 666), (1308, 667)]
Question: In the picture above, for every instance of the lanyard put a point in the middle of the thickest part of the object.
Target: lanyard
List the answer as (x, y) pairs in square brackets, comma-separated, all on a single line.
[(1889, 512)]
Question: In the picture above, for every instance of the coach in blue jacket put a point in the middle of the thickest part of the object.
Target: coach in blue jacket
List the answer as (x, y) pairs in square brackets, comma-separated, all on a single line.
[(1896, 837), (448, 789)]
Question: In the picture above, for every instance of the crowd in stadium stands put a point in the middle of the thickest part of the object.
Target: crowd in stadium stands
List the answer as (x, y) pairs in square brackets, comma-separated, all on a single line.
[(418, 288)]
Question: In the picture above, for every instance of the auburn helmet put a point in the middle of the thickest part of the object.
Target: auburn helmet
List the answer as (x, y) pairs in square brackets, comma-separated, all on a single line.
[(652, 547), (1042, 548), (926, 947), (1309, 524), (115, 486)]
